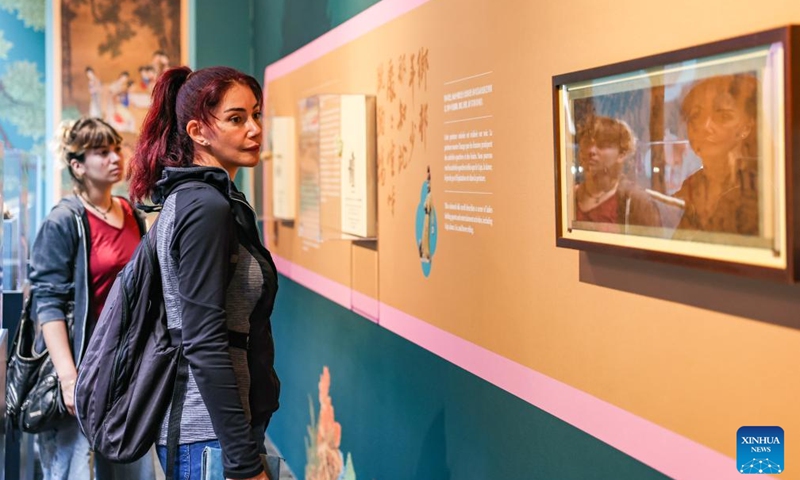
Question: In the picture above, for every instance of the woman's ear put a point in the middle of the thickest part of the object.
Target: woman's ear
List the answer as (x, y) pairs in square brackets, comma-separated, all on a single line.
[(747, 129), (195, 131), (78, 169)]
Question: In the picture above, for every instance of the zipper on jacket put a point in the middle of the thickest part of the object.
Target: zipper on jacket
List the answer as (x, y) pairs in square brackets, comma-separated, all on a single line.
[(82, 235), (244, 203)]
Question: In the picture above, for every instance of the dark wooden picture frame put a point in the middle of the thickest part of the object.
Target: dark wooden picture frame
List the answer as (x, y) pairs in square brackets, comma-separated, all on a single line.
[(686, 157)]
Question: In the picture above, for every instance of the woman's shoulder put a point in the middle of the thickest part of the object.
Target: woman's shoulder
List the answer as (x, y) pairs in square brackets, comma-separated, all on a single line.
[(65, 210), (201, 205), (689, 185), (201, 195)]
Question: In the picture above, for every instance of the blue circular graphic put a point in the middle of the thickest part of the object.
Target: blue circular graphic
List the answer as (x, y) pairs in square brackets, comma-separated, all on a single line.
[(426, 229)]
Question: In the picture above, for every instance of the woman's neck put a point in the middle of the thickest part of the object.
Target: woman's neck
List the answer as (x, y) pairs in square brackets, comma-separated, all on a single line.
[(101, 197), (597, 185), (717, 172), (205, 159)]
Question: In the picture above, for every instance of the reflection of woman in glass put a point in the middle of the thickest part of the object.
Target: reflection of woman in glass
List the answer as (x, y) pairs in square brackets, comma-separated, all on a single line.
[(605, 195), (425, 243), (720, 113)]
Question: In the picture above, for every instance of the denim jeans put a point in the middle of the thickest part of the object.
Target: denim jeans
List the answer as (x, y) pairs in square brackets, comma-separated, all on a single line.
[(188, 465), (64, 455)]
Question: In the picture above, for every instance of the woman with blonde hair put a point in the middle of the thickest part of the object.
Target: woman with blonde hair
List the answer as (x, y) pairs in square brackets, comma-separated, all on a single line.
[(83, 243)]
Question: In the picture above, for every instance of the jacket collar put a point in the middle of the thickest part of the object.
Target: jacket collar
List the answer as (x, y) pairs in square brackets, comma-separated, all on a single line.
[(73, 204), (171, 177)]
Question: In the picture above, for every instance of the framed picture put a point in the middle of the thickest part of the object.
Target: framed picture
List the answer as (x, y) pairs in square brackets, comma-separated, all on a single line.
[(685, 157), (108, 54)]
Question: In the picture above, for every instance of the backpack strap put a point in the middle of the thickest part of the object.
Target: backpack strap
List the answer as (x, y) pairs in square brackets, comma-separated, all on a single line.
[(176, 411)]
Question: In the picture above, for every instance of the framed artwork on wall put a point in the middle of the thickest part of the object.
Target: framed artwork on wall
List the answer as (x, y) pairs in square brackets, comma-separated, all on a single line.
[(684, 157), (108, 54)]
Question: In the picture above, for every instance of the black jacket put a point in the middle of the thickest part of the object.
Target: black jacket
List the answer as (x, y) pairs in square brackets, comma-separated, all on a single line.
[(202, 232)]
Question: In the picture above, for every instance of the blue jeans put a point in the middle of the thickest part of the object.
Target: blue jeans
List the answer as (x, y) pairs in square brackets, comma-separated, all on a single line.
[(189, 463), (190, 459), (64, 455)]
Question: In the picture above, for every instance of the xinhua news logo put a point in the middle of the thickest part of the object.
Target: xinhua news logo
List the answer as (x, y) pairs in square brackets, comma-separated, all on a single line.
[(759, 450)]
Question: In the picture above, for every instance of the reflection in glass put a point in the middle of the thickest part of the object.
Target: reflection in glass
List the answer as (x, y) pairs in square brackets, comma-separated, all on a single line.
[(604, 194), (19, 206), (721, 115), (684, 151)]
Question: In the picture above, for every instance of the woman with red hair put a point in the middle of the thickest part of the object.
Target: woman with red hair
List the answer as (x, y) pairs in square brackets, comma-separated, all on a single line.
[(219, 280)]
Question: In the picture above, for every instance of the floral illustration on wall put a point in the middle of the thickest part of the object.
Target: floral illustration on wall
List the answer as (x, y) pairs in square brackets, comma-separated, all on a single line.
[(324, 458)]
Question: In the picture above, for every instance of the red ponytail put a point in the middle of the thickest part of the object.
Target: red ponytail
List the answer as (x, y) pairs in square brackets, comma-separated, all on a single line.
[(161, 143)]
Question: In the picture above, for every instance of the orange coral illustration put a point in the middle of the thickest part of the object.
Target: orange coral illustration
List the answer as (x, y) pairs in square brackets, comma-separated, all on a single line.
[(324, 459)]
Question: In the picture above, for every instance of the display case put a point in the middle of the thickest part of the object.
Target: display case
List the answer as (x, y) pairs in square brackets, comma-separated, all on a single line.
[(284, 178), (337, 170)]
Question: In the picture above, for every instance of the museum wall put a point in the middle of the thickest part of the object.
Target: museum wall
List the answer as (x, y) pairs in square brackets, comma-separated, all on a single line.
[(658, 361)]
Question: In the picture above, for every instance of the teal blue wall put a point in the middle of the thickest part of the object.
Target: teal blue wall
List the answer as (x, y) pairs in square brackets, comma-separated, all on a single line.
[(223, 34), (408, 414), (283, 26), (251, 34)]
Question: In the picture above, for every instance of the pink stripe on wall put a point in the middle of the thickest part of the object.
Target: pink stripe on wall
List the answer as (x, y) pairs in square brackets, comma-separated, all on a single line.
[(284, 266), (651, 444), (647, 442), (366, 21), (366, 306), (324, 286)]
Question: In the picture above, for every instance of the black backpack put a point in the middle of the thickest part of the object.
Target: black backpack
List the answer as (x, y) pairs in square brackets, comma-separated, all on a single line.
[(134, 366), (127, 376)]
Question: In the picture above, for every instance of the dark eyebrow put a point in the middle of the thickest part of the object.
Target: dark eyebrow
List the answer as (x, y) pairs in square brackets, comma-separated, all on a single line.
[(240, 109)]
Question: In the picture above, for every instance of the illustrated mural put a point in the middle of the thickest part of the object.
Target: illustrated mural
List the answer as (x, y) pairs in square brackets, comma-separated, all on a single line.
[(112, 51), (22, 89)]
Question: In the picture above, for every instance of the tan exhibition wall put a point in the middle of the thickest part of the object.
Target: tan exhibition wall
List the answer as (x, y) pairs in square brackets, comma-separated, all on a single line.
[(698, 353)]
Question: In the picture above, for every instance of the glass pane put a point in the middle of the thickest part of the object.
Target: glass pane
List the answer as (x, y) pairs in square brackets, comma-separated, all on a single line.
[(688, 151), (19, 215)]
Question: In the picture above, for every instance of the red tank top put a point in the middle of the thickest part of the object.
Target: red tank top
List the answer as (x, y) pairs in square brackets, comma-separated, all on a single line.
[(110, 250), (606, 212)]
